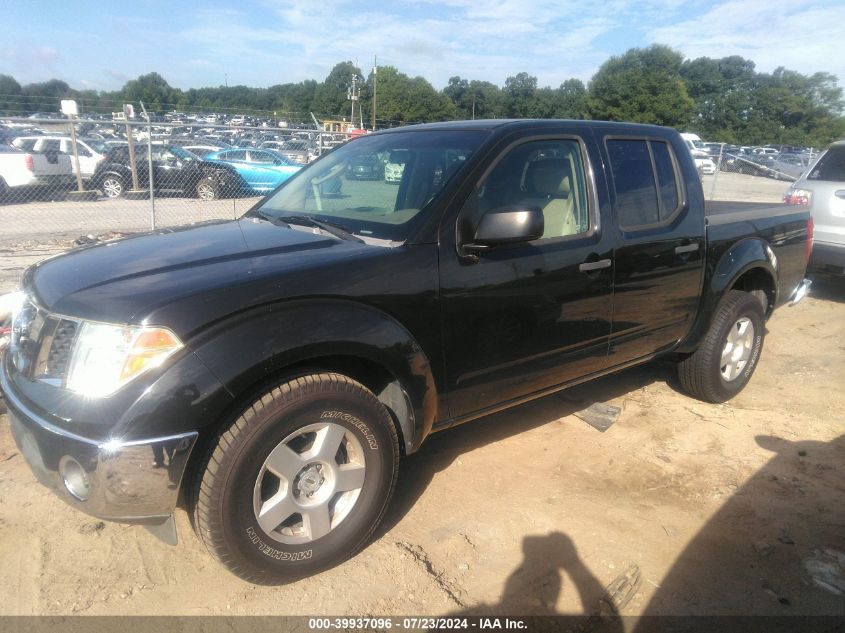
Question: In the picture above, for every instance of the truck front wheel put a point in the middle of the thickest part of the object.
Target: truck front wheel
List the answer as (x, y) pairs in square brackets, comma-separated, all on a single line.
[(299, 481), (724, 362)]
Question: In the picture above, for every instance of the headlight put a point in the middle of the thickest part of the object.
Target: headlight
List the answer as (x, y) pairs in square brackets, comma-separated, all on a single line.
[(106, 357)]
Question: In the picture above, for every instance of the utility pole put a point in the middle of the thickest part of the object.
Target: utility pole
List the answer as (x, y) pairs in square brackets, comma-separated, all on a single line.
[(352, 95), (375, 82), (473, 106)]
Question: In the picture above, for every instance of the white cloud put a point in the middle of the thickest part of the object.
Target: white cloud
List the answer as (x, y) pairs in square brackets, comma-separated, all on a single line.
[(801, 35), (493, 39)]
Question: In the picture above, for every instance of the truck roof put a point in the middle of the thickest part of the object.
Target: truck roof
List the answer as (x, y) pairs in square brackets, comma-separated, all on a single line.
[(515, 124)]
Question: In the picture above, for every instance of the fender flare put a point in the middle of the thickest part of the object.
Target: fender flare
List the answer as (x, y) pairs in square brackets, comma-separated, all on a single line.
[(247, 348), (749, 254)]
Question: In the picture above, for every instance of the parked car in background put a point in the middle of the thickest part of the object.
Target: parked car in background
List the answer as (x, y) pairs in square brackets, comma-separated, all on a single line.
[(90, 154), (395, 166), (175, 171), (699, 153), (260, 170), (366, 167), (822, 189), (790, 166), (20, 171), (297, 151)]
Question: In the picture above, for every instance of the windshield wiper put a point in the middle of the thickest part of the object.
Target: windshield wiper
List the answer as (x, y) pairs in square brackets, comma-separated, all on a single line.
[(338, 230)]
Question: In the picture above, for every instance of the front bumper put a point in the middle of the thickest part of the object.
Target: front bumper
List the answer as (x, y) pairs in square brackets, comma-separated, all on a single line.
[(126, 481)]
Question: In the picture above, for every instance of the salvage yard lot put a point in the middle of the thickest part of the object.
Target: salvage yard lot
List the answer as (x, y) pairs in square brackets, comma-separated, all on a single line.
[(733, 508)]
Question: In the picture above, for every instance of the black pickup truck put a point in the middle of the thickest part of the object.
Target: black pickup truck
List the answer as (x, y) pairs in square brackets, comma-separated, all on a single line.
[(275, 368)]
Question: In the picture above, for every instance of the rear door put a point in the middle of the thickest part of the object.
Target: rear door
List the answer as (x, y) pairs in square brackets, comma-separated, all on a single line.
[(659, 259)]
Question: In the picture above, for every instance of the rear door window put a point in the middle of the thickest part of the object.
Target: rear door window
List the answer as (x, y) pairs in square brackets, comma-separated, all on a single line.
[(831, 166), (645, 179), (633, 180)]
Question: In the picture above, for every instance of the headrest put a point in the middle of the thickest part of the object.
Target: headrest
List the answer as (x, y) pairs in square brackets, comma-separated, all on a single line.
[(550, 177)]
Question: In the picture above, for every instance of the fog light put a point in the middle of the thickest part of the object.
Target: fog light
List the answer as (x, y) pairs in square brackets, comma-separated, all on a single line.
[(74, 477)]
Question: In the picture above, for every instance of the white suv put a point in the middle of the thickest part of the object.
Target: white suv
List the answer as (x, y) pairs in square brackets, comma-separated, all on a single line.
[(822, 188), (88, 155)]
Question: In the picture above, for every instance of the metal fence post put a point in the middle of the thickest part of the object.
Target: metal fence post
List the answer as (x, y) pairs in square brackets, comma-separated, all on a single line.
[(150, 168), (718, 169)]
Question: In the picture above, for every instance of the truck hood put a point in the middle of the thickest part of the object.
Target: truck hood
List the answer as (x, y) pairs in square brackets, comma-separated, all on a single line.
[(128, 280)]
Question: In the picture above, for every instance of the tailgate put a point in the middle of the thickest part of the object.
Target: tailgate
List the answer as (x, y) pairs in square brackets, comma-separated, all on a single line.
[(51, 164)]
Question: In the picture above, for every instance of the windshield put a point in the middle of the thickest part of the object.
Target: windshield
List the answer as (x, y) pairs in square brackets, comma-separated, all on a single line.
[(350, 188)]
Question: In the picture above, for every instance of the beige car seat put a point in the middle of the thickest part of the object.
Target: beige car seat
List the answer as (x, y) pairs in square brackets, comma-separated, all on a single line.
[(549, 186)]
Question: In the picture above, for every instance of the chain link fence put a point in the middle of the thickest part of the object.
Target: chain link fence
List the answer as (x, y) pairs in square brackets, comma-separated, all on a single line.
[(125, 176), (105, 178)]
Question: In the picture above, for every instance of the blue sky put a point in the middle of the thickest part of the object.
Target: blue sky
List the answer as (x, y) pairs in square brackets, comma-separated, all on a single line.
[(264, 42)]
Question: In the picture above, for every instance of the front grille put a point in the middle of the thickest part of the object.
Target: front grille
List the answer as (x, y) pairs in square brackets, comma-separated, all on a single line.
[(60, 348), (41, 344)]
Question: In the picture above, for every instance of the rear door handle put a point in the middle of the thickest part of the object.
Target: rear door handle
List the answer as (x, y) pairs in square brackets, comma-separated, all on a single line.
[(686, 248), (590, 266), (840, 193)]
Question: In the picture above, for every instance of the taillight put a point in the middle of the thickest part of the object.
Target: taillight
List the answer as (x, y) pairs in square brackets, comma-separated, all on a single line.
[(30, 163), (799, 197), (809, 245)]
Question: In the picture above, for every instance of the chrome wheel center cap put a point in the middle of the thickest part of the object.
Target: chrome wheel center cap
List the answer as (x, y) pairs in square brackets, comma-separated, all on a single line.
[(310, 479)]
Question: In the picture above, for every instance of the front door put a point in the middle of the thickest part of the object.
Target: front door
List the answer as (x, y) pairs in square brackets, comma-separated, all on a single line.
[(522, 318)]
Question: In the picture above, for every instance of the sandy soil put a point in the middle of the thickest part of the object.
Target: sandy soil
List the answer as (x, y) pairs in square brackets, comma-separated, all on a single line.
[(733, 508)]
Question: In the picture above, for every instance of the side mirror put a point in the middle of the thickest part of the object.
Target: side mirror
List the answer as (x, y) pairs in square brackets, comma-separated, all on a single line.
[(508, 224)]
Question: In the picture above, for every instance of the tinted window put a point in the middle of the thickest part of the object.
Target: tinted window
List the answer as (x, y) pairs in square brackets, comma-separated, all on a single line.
[(633, 180), (831, 166), (261, 157), (26, 144), (50, 145), (666, 181), (236, 155), (548, 175)]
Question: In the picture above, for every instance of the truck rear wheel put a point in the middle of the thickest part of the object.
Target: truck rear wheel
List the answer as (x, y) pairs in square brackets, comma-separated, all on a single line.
[(299, 481), (723, 364)]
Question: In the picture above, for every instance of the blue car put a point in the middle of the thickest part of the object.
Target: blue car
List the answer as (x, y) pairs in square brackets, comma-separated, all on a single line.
[(261, 170)]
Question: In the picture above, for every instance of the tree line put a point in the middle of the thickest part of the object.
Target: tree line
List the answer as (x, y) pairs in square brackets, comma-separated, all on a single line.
[(723, 99)]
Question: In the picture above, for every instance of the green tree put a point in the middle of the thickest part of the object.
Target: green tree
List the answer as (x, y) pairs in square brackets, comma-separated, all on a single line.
[(521, 96), (402, 99), (11, 96), (153, 90), (643, 85), (330, 97), (571, 100)]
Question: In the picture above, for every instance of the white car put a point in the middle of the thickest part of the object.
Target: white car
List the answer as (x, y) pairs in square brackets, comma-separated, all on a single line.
[(705, 165), (19, 170), (89, 156)]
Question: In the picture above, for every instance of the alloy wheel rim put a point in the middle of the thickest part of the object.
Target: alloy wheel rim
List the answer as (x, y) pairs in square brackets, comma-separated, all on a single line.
[(112, 188), (309, 483), (737, 350), (206, 192)]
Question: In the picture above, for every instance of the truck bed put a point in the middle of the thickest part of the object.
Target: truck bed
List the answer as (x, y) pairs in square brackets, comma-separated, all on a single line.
[(724, 211)]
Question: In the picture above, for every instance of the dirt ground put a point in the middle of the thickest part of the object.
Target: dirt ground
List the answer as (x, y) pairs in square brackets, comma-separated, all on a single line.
[(724, 509), (734, 508)]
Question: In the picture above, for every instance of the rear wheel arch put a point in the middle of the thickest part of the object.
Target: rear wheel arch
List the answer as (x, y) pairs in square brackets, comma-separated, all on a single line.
[(760, 283), (748, 266)]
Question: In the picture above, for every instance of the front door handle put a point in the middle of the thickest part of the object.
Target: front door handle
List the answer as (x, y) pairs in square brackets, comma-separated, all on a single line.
[(839, 193), (686, 248), (590, 266)]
